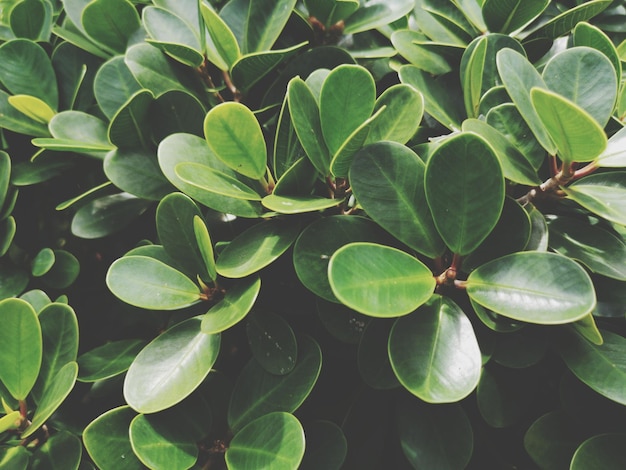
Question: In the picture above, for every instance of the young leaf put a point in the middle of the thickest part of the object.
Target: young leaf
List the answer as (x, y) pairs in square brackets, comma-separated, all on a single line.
[(235, 136), (221, 37), (378, 280), (169, 368), (205, 246), (533, 287)]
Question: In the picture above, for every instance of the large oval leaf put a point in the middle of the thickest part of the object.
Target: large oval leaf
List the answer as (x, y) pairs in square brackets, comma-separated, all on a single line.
[(258, 392), (604, 194), (274, 441), (148, 283), (378, 280), (234, 135), (534, 287), (465, 191), (21, 352), (171, 367), (435, 353), (388, 182), (606, 451)]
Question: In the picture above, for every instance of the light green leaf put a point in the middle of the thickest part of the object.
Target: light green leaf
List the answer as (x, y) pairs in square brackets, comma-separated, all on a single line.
[(376, 13), (83, 128), (298, 204), (205, 246), (434, 352), (209, 180), (589, 35), (233, 308), (36, 109), (533, 287), (378, 280), (221, 38), (604, 194), (274, 441), (169, 368), (21, 352), (148, 283), (16, 121), (614, 156)]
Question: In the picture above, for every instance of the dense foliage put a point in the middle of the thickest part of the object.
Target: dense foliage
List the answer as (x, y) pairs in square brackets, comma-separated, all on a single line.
[(313, 234)]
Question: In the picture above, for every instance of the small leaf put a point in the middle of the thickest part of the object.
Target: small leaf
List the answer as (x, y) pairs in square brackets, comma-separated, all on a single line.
[(434, 352), (111, 98), (130, 127), (21, 352), (275, 441), (108, 360), (205, 246), (148, 283), (233, 308), (171, 367), (221, 37), (534, 287), (273, 342), (378, 280), (32, 107), (42, 262), (30, 19), (234, 135)]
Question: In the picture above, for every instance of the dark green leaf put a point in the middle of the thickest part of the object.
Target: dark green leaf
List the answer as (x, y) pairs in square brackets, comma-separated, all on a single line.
[(108, 360), (30, 19), (326, 446), (551, 440), (62, 451), (511, 15), (372, 356), (233, 308), (264, 22), (130, 127), (110, 23), (114, 85), (273, 342), (604, 451)]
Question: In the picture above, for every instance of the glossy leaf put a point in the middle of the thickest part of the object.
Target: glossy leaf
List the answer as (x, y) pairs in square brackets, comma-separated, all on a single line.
[(600, 250), (378, 280), (42, 262), (108, 360), (59, 329), (16, 121), (351, 89), (222, 38), (388, 182), (434, 436), (258, 392), (256, 248), (601, 367), (273, 342), (592, 36), (402, 117), (112, 98), (376, 13), (614, 156), (107, 442), (298, 204), (233, 308), (62, 451), (21, 353), (99, 15), (275, 441), (235, 136), (32, 107), (212, 181), (415, 47), (81, 127), (601, 451), (533, 287), (169, 368), (148, 283), (53, 396), (603, 194), (434, 352), (511, 15), (160, 445), (467, 210), (519, 77), (137, 172), (265, 21), (326, 446)]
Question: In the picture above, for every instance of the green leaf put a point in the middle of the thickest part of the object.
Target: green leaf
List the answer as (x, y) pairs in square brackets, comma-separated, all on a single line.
[(185, 148), (275, 441), (601, 367), (233, 308), (511, 15), (170, 367), (601, 451), (14, 458), (614, 156), (434, 436), (107, 214), (110, 23), (160, 444), (21, 353), (551, 440), (298, 204), (586, 78), (330, 12), (592, 36), (305, 117), (175, 227), (148, 283), (465, 191), (130, 127), (519, 77), (53, 396), (8, 229), (205, 247), (472, 76), (176, 111), (264, 23), (85, 129), (603, 194), (434, 352), (533, 287), (326, 446), (16, 121), (235, 136), (388, 181), (378, 280), (222, 38), (272, 342), (114, 85), (317, 243), (62, 451), (298, 180), (107, 442), (415, 47), (27, 70), (212, 181), (64, 271), (108, 360), (287, 147), (5, 176), (257, 247), (10, 421), (372, 356), (30, 19), (402, 117), (59, 329), (602, 251), (443, 98), (137, 172), (42, 262), (347, 99), (36, 109), (376, 13), (258, 392)]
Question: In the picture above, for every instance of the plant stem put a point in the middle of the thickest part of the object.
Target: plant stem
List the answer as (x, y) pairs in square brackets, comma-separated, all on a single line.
[(23, 409)]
